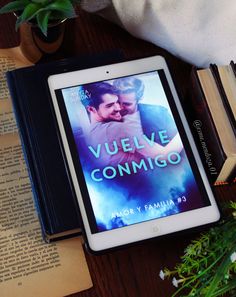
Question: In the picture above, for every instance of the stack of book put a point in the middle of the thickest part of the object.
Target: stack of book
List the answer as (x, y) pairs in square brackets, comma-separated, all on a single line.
[(212, 101)]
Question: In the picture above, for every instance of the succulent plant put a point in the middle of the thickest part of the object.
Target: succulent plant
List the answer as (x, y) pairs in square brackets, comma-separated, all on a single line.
[(41, 12)]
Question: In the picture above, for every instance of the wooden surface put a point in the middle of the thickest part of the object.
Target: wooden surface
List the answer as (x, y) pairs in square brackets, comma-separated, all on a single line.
[(133, 271)]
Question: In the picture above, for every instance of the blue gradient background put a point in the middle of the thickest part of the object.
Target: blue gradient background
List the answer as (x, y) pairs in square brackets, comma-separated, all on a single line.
[(131, 199)]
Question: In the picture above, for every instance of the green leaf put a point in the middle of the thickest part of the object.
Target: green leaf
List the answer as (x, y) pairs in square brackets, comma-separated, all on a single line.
[(28, 13), (42, 21), (18, 22), (14, 6), (225, 289), (219, 273), (64, 6)]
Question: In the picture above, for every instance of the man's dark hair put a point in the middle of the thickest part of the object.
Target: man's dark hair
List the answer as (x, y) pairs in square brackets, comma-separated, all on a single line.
[(95, 91)]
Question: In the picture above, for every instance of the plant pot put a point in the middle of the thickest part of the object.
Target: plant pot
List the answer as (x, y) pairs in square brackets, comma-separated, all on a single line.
[(34, 44)]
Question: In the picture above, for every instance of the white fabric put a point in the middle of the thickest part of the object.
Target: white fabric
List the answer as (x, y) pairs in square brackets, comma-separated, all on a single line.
[(198, 31)]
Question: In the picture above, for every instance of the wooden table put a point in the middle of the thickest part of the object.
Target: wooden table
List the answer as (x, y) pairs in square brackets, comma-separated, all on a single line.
[(133, 271)]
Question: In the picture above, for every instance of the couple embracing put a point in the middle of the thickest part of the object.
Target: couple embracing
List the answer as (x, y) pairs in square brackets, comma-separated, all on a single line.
[(125, 130)]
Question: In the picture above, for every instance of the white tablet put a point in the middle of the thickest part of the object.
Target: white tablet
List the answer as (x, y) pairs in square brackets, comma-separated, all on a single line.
[(132, 160)]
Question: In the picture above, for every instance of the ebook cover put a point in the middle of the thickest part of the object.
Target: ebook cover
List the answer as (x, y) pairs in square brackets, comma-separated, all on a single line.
[(132, 162)]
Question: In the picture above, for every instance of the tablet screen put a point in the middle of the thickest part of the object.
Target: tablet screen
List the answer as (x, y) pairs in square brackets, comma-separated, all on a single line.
[(130, 152)]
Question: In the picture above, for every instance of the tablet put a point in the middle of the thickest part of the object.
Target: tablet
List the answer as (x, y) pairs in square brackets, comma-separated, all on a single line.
[(132, 160)]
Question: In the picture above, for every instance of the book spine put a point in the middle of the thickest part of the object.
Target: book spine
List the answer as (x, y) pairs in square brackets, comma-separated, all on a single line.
[(220, 87), (204, 131), (20, 119), (233, 67)]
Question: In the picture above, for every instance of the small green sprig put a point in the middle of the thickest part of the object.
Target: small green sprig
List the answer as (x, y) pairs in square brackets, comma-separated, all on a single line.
[(208, 266), (41, 12)]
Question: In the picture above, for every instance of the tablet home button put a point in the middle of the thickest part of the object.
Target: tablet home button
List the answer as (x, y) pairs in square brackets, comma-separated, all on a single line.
[(156, 229)]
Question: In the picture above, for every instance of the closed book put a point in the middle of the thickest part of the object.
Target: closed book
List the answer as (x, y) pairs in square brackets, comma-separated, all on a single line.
[(219, 163), (226, 84), (233, 67), (51, 183)]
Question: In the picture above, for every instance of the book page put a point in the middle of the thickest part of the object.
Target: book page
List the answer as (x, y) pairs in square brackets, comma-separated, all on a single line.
[(7, 118), (9, 60), (27, 263)]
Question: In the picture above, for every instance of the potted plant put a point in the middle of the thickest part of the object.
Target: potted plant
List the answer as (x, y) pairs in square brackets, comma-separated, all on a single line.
[(41, 24), (41, 12)]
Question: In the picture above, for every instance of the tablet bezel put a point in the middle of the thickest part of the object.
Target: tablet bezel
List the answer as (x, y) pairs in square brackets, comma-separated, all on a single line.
[(148, 229)]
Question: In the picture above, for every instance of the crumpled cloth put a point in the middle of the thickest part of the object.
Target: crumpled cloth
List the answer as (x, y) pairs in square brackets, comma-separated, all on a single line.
[(198, 31)]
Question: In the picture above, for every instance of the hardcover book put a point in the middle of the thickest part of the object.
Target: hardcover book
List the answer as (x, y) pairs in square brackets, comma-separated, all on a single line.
[(226, 84), (53, 191), (211, 126), (233, 67), (27, 262)]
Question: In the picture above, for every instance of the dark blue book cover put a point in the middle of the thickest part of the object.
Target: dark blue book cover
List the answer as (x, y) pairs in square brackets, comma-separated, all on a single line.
[(53, 192)]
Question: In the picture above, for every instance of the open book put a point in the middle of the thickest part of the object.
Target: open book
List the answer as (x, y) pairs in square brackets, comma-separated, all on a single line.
[(28, 266)]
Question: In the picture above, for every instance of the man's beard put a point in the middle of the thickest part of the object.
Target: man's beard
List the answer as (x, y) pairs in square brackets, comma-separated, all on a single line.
[(123, 112), (113, 120)]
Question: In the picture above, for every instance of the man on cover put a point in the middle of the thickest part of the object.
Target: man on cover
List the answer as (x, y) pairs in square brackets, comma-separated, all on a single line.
[(108, 126), (152, 117)]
